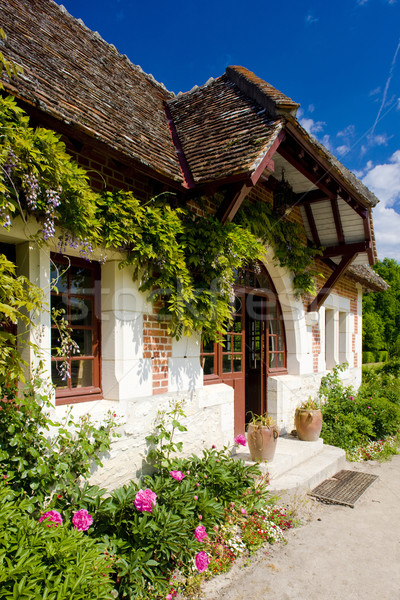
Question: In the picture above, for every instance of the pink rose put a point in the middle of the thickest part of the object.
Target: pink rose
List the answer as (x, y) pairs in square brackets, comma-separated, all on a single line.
[(52, 517), (178, 475), (201, 561), (240, 440), (200, 533), (145, 500), (243, 511), (82, 520)]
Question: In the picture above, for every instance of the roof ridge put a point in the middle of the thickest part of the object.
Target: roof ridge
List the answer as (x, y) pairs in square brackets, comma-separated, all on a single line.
[(97, 36), (265, 94)]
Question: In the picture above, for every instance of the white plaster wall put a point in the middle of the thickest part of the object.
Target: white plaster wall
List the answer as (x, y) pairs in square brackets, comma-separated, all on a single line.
[(209, 420)]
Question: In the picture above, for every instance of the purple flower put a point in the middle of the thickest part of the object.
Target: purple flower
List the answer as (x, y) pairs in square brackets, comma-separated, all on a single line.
[(52, 517), (200, 533), (240, 440), (178, 475), (145, 500), (201, 561), (82, 520)]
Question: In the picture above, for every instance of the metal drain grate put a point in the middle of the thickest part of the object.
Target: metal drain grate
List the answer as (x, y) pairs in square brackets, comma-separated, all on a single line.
[(346, 487)]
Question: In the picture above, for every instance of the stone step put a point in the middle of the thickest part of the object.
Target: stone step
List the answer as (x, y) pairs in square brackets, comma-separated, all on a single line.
[(312, 471), (299, 464)]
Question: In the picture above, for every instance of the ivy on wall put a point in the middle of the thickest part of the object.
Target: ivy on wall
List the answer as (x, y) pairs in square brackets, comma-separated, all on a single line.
[(186, 263)]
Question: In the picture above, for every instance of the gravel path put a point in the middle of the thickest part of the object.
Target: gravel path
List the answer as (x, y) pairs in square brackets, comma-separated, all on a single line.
[(339, 553)]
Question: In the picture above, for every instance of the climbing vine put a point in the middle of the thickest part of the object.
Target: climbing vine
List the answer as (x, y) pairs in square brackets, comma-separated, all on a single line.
[(185, 263)]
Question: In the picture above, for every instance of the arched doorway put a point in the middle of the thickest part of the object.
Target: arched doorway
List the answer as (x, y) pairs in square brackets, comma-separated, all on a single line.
[(254, 348)]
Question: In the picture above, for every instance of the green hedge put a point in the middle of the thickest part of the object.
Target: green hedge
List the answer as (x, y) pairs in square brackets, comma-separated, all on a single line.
[(374, 357)]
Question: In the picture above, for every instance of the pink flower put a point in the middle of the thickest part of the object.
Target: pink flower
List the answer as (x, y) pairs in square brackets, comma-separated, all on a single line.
[(200, 518), (82, 520), (243, 511), (145, 500), (168, 597), (178, 475), (52, 517), (201, 561), (240, 440), (197, 484), (200, 533), (195, 497)]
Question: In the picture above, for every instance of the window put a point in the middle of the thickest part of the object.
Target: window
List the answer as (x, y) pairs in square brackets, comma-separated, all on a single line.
[(76, 289), (257, 332)]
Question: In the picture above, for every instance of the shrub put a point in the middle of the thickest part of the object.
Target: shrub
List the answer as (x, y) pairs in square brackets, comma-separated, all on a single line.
[(368, 357), (37, 463), (52, 562)]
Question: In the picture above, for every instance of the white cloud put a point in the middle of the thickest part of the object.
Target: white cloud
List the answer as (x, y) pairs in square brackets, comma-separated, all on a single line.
[(312, 126), (311, 108), (327, 142), (342, 150), (376, 91), (387, 227), (347, 132), (378, 140), (310, 19), (384, 181)]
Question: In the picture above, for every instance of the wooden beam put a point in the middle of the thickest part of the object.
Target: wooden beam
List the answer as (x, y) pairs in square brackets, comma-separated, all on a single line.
[(346, 249), (230, 206), (313, 227), (324, 292), (310, 197), (338, 221), (267, 160)]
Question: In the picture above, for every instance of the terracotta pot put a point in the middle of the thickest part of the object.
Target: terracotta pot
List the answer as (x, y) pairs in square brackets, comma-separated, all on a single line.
[(262, 442), (308, 424)]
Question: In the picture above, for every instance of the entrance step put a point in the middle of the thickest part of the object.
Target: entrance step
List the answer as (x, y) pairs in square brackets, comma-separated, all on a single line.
[(299, 464)]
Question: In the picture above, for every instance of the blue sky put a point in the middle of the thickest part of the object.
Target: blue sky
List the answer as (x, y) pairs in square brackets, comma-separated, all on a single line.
[(340, 60)]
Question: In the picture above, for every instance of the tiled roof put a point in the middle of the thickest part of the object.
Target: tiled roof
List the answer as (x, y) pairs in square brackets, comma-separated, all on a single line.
[(365, 275), (222, 132), (73, 74)]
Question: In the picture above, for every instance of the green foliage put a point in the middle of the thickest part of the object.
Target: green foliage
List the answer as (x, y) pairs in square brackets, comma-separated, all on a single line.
[(53, 563), (285, 238), (37, 463), (368, 357), (19, 300), (381, 312), (350, 419)]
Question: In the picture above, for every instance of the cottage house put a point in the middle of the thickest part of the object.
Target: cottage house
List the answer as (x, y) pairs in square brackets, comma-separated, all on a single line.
[(238, 134)]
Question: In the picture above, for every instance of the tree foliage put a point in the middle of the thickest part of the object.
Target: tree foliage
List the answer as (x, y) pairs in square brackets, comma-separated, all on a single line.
[(381, 312)]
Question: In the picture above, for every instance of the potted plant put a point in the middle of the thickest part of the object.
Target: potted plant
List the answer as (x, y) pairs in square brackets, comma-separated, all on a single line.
[(308, 420), (262, 435)]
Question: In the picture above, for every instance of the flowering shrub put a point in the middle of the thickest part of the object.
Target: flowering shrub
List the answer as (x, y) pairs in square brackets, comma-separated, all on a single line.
[(145, 500), (48, 562), (82, 520), (200, 533), (240, 440), (52, 517), (201, 561), (178, 475)]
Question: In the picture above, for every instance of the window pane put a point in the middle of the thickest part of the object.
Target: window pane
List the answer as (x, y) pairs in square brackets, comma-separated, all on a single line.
[(81, 311), (237, 326), (208, 346), (237, 343), (227, 343), (58, 277), (81, 373), (208, 365), (272, 343), (272, 361), (81, 280), (227, 363), (83, 337), (279, 361), (55, 341), (56, 376), (237, 364)]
